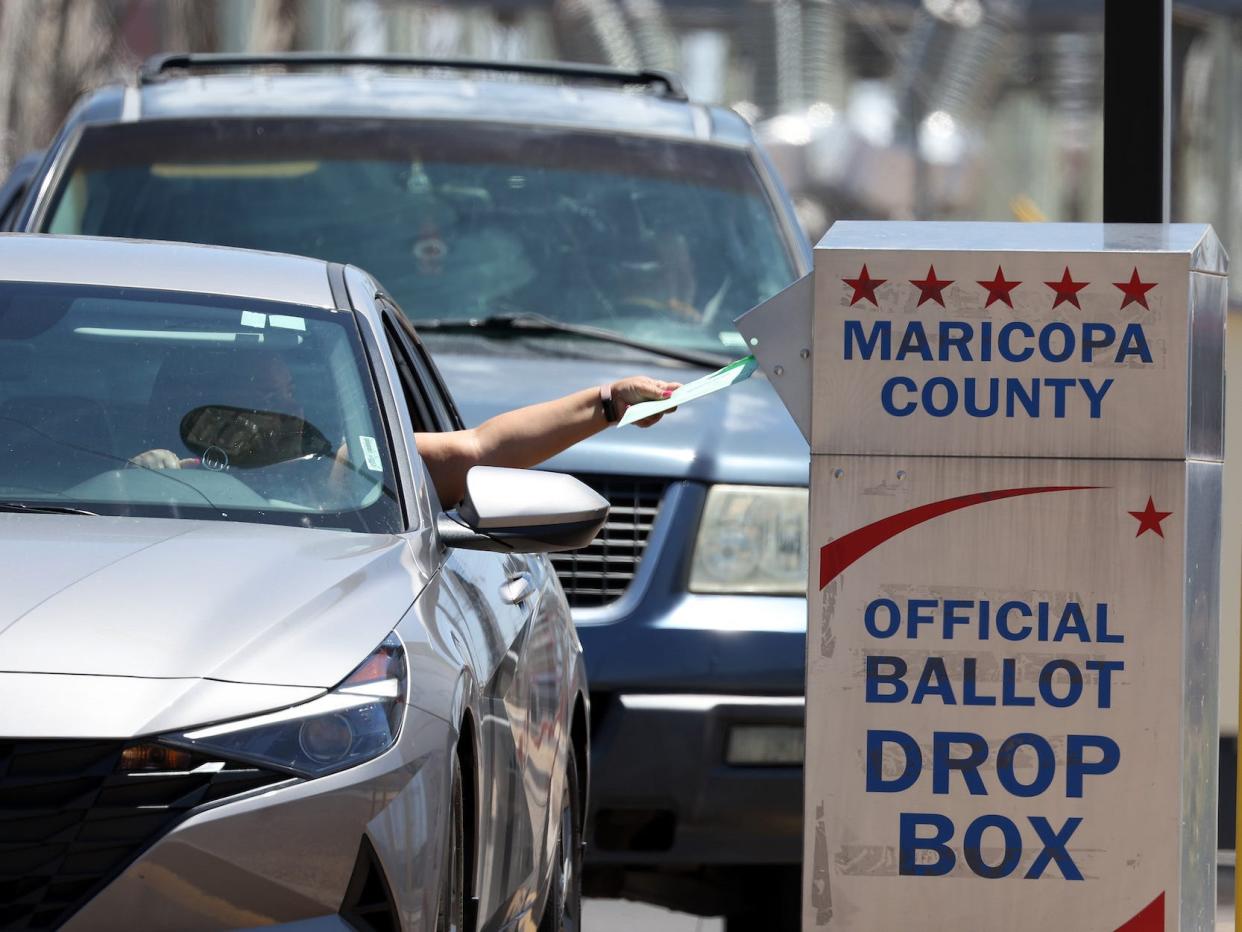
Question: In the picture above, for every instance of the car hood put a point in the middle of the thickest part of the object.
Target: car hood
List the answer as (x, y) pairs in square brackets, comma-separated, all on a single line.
[(743, 434), (176, 599)]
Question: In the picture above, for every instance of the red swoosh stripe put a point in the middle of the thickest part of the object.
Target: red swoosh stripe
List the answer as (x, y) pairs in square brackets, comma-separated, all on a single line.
[(1151, 919), (836, 555)]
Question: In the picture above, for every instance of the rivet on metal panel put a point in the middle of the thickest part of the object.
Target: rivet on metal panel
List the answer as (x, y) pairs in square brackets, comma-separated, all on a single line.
[(901, 474), (778, 370), (805, 354), (838, 473)]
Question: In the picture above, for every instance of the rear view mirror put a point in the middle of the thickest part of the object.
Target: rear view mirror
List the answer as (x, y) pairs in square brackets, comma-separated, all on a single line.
[(523, 511), (250, 439)]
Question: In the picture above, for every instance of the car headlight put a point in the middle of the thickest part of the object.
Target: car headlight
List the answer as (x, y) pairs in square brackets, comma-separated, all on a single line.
[(356, 721), (751, 539)]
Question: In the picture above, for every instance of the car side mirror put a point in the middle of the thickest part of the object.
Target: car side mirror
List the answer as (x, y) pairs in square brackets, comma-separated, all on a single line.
[(523, 511)]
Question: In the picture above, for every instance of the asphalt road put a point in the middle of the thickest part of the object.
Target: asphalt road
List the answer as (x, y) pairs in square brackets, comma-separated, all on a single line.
[(623, 916)]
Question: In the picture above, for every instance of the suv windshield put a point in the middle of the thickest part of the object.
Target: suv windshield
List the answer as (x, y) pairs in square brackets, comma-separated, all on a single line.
[(133, 402), (664, 240)]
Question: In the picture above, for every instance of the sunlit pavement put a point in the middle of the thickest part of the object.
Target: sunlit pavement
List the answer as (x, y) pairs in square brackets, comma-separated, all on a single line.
[(623, 916)]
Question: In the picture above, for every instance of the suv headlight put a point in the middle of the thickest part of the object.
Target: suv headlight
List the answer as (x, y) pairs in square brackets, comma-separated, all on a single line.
[(752, 539), (356, 721)]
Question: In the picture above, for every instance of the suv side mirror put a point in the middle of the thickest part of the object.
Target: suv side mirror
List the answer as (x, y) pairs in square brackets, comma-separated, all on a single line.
[(523, 511)]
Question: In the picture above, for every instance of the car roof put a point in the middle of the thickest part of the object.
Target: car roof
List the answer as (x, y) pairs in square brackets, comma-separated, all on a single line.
[(375, 92), (89, 260)]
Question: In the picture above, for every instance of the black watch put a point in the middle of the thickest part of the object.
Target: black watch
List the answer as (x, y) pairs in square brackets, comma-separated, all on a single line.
[(606, 402)]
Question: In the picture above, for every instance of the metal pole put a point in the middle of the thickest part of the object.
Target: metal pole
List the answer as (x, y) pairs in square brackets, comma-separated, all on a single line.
[(1137, 108)]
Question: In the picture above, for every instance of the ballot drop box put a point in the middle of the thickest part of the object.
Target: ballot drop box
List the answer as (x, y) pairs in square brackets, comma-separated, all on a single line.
[(1016, 449)]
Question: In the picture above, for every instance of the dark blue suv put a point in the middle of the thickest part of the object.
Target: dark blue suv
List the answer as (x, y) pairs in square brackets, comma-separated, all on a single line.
[(545, 228)]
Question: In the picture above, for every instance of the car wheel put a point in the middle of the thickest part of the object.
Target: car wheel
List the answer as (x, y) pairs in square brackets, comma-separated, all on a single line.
[(563, 911), (452, 911), (768, 899)]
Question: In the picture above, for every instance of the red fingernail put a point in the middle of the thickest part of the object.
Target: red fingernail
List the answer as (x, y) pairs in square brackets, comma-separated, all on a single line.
[(668, 394)]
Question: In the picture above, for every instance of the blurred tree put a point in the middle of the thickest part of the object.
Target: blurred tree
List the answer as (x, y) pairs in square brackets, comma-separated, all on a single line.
[(190, 26), (53, 51), (50, 52), (274, 25), (594, 31)]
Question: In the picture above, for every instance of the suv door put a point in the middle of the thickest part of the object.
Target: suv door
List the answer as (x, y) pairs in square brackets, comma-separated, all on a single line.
[(505, 594)]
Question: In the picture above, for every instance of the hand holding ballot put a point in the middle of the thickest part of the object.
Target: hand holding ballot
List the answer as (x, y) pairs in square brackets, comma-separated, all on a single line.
[(734, 372), (527, 436)]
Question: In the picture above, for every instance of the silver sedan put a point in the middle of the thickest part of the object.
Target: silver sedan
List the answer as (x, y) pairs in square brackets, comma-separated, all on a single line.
[(252, 672)]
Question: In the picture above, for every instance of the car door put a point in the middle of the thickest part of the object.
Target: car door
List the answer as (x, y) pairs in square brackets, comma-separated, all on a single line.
[(550, 640), (497, 597)]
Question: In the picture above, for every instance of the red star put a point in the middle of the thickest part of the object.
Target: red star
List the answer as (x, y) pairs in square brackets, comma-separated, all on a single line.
[(1067, 289), (1149, 519), (930, 287), (998, 288), (864, 286), (1135, 289)]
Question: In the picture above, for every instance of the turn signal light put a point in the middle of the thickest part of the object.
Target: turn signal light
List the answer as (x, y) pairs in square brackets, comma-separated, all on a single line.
[(145, 758)]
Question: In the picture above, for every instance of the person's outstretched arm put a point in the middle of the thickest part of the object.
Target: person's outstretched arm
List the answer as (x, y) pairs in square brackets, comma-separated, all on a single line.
[(528, 436)]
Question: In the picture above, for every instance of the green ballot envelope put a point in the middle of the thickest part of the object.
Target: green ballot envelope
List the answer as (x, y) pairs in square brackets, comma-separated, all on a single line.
[(734, 372)]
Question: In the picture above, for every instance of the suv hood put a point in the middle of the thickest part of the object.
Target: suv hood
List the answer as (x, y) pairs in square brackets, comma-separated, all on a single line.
[(743, 434), (176, 599)]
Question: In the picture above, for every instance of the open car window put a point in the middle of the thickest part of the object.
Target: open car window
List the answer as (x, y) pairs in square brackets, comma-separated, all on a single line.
[(137, 402), (425, 393)]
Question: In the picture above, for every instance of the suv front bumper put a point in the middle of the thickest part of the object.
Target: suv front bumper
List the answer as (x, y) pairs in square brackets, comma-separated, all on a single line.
[(664, 794), (671, 672)]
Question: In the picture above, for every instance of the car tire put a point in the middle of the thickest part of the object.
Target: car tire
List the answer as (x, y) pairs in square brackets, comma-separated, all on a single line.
[(563, 910), (452, 910), (770, 900)]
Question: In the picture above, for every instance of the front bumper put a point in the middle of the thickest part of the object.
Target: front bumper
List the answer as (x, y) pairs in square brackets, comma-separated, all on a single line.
[(670, 672), (287, 855), (663, 794)]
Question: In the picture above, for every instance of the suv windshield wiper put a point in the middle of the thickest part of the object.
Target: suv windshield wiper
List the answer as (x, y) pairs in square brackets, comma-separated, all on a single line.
[(529, 323), (42, 509)]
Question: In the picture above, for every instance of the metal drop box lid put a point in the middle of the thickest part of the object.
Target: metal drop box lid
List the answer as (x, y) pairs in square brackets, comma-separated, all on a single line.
[(1197, 241)]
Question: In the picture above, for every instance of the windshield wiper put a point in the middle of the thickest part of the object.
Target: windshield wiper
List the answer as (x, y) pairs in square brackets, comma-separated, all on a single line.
[(530, 323), (42, 509)]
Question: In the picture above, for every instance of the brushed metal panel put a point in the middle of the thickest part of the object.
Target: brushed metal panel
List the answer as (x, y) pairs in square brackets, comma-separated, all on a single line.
[(1209, 254), (778, 332), (1208, 305), (1201, 652)]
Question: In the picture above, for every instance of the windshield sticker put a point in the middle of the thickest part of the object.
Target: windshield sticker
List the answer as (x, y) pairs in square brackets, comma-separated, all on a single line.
[(732, 338), (288, 322), (370, 453), (253, 319)]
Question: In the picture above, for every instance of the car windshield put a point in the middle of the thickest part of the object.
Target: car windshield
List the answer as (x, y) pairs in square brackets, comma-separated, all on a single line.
[(663, 240), (154, 403)]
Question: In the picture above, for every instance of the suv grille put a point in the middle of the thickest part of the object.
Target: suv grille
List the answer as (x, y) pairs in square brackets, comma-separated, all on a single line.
[(70, 820), (601, 572)]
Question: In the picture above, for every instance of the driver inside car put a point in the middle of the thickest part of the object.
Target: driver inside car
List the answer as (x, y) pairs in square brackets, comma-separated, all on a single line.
[(262, 382), (258, 381)]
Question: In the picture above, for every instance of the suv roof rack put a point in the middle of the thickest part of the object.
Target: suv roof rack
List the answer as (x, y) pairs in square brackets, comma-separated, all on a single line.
[(665, 83)]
